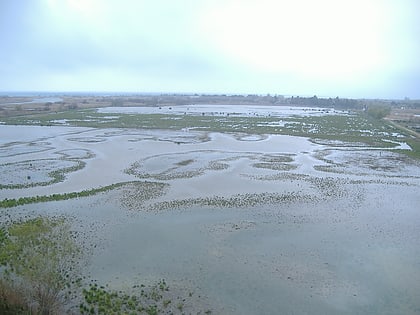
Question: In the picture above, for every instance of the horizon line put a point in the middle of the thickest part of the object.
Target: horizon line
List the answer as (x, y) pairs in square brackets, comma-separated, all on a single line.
[(29, 93)]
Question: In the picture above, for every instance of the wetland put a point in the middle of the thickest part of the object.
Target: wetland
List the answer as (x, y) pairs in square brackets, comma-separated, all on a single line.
[(240, 209)]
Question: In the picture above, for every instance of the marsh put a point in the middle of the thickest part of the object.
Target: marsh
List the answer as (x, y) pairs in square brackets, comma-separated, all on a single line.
[(251, 223)]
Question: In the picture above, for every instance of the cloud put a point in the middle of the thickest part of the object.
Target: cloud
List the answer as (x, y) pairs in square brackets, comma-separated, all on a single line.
[(307, 47)]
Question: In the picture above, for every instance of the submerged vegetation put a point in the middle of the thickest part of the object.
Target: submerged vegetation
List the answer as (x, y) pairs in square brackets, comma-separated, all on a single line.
[(235, 201)]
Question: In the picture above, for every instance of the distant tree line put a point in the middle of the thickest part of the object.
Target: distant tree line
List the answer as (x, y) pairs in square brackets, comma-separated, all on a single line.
[(339, 103), (255, 99)]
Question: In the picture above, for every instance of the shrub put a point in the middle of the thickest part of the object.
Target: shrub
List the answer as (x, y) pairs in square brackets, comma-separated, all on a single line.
[(40, 256)]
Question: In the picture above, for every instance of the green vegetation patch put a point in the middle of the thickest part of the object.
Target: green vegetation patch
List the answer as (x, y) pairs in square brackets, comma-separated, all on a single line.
[(41, 256), (414, 143), (8, 203), (150, 300)]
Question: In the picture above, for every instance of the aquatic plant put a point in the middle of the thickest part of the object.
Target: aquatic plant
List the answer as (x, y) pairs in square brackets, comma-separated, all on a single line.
[(234, 201), (8, 203), (154, 299)]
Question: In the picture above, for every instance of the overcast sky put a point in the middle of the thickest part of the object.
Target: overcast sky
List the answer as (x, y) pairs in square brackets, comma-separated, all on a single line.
[(355, 48)]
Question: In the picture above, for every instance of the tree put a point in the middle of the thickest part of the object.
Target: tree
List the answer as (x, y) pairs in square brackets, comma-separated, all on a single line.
[(378, 111), (117, 102)]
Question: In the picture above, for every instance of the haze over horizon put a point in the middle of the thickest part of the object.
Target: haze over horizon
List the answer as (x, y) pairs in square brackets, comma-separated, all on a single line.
[(356, 49)]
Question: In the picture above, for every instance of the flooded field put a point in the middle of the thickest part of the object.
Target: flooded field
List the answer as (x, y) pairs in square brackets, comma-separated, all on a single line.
[(242, 223), (224, 110)]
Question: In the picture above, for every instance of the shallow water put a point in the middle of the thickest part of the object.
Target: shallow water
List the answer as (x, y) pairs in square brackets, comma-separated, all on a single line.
[(346, 243), (224, 110), (324, 258)]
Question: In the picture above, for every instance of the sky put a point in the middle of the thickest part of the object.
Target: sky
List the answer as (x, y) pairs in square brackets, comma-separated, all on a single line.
[(328, 48)]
